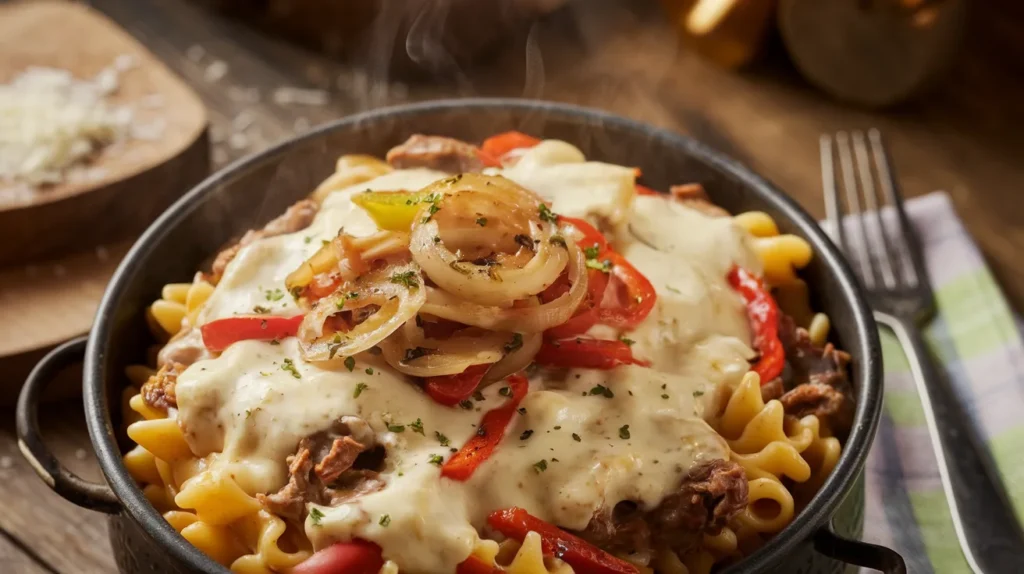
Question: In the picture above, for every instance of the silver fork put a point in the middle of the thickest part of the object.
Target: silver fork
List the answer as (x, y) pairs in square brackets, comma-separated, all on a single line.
[(887, 256)]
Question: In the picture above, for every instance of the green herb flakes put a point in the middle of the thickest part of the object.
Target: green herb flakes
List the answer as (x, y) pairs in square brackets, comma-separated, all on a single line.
[(290, 367), (359, 390), (624, 432), (316, 516), (385, 520), (417, 426), (350, 363), (546, 214), (441, 438), (540, 466), (408, 278), (526, 434), (436, 459), (576, 437), (515, 344), (603, 391)]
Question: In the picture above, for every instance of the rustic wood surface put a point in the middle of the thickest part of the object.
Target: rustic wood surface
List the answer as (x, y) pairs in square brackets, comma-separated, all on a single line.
[(965, 138)]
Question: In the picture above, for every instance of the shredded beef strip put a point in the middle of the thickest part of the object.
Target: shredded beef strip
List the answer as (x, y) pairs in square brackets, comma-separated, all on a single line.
[(295, 218), (693, 196), (709, 496), (436, 152), (817, 382), (158, 391), (328, 468)]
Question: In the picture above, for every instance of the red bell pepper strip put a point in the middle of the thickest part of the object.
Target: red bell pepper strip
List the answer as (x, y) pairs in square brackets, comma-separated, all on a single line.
[(221, 333), (585, 558), (475, 565), (644, 190), (479, 447), (639, 297), (500, 144), (586, 353), (355, 557), (450, 390), (763, 314), (591, 236)]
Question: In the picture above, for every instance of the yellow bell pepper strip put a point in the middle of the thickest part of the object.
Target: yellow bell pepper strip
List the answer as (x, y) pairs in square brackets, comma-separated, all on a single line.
[(396, 210)]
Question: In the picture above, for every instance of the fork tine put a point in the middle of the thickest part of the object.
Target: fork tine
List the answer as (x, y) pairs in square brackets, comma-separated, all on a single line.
[(881, 247), (907, 246), (833, 209), (864, 258)]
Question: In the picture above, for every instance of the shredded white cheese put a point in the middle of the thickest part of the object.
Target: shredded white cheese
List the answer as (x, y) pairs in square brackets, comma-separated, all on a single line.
[(50, 121)]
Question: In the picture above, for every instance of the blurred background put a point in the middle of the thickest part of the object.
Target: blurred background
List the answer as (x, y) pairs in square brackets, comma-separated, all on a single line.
[(165, 91)]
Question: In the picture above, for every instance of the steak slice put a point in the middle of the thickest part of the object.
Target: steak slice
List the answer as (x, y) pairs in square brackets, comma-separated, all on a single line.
[(328, 468), (436, 152), (158, 391), (818, 381), (709, 496), (295, 218)]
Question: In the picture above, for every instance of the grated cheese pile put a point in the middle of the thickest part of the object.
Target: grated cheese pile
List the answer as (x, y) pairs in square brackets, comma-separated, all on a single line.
[(51, 121)]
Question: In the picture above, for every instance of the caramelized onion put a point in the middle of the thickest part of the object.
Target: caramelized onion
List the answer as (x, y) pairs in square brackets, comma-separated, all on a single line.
[(409, 351), (526, 319), (397, 291)]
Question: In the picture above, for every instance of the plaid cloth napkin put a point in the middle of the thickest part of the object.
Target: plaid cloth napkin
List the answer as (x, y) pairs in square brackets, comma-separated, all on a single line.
[(977, 339)]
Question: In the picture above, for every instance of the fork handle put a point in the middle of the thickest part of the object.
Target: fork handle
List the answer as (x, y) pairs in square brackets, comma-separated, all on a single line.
[(990, 536)]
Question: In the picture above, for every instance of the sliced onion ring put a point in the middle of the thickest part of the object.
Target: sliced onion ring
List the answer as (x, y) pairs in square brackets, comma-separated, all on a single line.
[(446, 356), (529, 319), (398, 301)]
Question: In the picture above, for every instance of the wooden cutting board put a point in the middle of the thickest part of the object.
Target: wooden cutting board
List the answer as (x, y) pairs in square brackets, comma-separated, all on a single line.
[(58, 246)]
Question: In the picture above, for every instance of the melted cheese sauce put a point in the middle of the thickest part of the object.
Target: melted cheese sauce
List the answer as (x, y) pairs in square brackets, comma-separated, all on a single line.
[(567, 456)]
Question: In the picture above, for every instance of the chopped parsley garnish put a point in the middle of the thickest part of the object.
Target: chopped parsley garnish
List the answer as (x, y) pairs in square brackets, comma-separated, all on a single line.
[(436, 459), (603, 391), (274, 294), (369, 370), (526, 434), (515, 344), (698, 393), (359, 390), (624, 432), (407, 278), (602, 266), (524, 241), (672, 289), (416, 353), (316, 516), (434, 208), (481, 221), (576, 437), (546, 214), (540, 466), (505, 391), (441, 438), (396, 428), (260, 309), (417, 426), (557, 427), (592, 252), (352, 295), (350, 363), (307, 239), (334, 346), (664, 396), (384, 520), (629, 342), (290, 367), (466, 405), (558, 240)]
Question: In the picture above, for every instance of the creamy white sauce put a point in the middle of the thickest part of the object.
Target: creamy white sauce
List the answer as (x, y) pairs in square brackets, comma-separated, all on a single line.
[(247, 413)]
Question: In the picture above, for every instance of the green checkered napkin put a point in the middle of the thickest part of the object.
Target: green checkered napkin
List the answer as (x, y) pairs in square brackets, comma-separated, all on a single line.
[(978, 341)]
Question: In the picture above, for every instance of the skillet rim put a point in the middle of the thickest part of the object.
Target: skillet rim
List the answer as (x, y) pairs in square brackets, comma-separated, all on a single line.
[(817, 514)]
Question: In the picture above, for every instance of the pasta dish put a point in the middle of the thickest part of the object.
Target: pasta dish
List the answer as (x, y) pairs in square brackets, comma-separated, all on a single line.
[(487, 359)]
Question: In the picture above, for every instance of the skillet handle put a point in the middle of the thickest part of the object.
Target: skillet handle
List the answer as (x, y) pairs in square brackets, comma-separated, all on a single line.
[(92, 495), (858, 553)]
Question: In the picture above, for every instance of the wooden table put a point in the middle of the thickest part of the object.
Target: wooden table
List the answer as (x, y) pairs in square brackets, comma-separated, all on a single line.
[(967, 139)]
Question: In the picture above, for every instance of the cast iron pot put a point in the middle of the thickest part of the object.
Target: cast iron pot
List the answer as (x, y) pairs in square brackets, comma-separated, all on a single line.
[(253, 190)]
